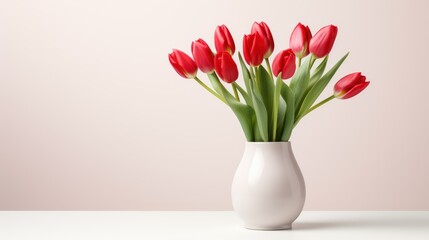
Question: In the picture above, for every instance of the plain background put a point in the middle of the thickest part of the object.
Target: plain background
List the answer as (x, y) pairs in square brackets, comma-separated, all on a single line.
[(93, 117)]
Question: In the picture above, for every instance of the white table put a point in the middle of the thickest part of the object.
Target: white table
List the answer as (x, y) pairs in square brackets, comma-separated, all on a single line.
[(208, 225)]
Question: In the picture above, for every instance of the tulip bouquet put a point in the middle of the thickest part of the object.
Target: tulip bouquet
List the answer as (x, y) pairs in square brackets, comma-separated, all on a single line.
[(267, 107)]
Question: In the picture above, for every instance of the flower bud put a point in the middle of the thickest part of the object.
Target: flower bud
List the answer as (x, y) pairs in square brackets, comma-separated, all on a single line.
[(225, 67), (299, 40), (253, 49), (265, 32), (350, 85), (183, 64), (284, 63), (203, 56), (223, 40), (322, 42)]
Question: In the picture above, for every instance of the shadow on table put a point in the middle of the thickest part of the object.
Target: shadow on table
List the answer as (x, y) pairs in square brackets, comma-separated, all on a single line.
[(363, 224)]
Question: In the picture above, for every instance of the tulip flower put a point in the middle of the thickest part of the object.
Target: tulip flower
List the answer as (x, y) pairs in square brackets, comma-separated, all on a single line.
[(225, 67), (284, 63), (203, 56), (253, 49), (322, 42), (350, 85), (260, 104), (264, 31), (299, 40), (183, 64), (223, 40)]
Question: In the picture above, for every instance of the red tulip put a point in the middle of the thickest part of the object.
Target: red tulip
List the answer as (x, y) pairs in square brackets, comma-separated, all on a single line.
[(264, 31), (203, 56), (253, 49), (225, 67), (183, 64), (284, 63), (223, 40), (321, 44), (350, 85), (299, 40)]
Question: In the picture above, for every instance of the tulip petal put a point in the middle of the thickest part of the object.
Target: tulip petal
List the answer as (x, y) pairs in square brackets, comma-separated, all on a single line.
[(247, 45), (265, 33), (355, 90), (321, 43), (284, 62), (176, 66), (258, 50), (183, 64), (289, 67), (253, 49), (348, 81), (203, 56), (277, 64), (299, 40), (229, 70), (186, 62), (223, 40), (225, 67)]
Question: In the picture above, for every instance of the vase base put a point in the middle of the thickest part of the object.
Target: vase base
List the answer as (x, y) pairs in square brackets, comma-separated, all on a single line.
[(275, 228)]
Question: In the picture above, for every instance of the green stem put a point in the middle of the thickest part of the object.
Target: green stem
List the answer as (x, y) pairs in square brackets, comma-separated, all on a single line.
[(256, 77), (234, 88), (312, 60), (299, 62), (252, 73), (210, 90), (321, 103), (267, 61)]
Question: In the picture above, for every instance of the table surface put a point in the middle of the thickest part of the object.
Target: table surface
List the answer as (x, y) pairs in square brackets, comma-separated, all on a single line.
[(208, 225)]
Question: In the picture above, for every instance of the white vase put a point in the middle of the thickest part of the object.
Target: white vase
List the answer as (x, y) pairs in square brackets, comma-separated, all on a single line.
[(268, 190)]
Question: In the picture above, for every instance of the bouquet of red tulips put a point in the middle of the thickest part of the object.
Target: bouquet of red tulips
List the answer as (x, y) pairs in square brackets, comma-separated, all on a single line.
[(268, 109)]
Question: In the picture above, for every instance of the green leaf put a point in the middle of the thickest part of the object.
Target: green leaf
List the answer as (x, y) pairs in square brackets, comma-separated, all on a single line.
[(244, 113), (243, 93), (300, 80), (276, 100), (261, 115), (265, 87), (289, 120), (318, 72), (217, 86), (280, 118), (246, 74), (257, 134), (313, 79), (318, 88)]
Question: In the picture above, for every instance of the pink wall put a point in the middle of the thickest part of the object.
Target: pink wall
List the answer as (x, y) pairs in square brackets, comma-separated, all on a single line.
[(93, 117)]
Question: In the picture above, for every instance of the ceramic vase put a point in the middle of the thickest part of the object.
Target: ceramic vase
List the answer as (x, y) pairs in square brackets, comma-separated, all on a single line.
[(268, 189)]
